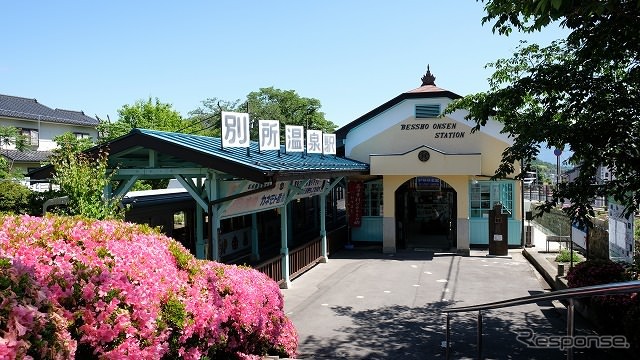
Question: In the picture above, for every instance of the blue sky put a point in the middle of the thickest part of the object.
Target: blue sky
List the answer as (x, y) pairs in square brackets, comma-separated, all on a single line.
[(97, 56)]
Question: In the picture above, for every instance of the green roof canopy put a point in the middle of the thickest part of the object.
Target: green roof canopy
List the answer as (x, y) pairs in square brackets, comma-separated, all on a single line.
[(159, 154)]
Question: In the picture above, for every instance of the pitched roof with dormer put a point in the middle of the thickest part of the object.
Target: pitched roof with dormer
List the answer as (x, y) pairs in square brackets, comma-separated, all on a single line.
[(427, 89), (30, 109)]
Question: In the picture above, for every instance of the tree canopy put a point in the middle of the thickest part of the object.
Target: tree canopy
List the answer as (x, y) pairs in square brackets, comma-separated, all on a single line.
[(265, 104), (582, 92), (83, 179), (147, 114)]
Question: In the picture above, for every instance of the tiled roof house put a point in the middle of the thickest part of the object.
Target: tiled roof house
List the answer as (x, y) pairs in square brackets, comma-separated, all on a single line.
[(40, 124)]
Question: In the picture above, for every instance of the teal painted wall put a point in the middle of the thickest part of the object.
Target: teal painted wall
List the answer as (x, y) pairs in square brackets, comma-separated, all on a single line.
[(479, 232), (371, 230)]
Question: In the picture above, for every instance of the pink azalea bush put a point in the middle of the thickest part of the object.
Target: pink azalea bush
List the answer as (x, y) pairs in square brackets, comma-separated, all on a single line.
[(82, 288)]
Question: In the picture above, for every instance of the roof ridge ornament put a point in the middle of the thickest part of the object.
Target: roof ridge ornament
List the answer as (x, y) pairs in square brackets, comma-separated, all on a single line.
[(428, 78)]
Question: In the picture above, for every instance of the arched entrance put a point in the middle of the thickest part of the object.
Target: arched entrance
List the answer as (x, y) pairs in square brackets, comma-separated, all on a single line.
[(426, 214)]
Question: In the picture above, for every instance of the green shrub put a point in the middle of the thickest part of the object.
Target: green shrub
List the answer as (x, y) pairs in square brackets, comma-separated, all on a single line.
[(566, 256), (611, 314), (14, 197), (595, 272)]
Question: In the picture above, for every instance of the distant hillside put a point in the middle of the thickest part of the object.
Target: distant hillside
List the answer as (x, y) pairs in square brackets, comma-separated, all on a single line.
[(546, 170)]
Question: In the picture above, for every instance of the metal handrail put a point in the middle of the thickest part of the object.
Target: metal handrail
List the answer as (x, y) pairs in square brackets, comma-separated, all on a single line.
[(564, 294)]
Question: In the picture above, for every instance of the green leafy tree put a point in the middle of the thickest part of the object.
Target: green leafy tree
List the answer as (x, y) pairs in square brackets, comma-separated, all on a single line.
[(205, 120), (10, 136), (582, 92), (149, 114), (288, 107), (265, 104), (83, 179), (68, 143)]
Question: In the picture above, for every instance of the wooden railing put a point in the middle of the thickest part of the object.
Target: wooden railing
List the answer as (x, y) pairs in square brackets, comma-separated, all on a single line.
[(273, 268), (304, 257)]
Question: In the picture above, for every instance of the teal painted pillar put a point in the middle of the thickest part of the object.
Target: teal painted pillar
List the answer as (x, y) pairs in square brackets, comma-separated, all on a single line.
[(200, 253), (214, 219), (284, 250), (255, 251), (323, 227), (288, 209)]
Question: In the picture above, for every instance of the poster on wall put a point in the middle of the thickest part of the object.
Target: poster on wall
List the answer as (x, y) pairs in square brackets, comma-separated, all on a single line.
[(621, 242), (355, 195)]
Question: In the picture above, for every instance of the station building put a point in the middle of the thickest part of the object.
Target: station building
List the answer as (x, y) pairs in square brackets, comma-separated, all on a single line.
[(405, 175), (429, 184)]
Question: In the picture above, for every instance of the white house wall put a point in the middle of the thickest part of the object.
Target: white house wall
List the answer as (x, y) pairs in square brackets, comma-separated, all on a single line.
[(47, 131), (404, 110)]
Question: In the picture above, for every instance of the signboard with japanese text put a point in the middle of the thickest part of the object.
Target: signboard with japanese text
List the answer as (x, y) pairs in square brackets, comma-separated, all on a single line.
[(235, 129), (314, 142), (260, 201), (424, 183), (621, 243), (236, 133), (329, 144), (310, 188), (269, 133), (355, 196), (294, 136)]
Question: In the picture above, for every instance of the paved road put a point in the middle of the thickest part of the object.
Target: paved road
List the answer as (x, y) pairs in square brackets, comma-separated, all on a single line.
[(368, 305)]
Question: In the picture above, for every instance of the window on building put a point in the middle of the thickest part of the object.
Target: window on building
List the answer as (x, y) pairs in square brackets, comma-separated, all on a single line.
[(485, 194), (81, 135), (373, 198), (31, 136)]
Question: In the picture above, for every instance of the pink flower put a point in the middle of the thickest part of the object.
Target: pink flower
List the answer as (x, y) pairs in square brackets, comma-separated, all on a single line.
[(121, 288)]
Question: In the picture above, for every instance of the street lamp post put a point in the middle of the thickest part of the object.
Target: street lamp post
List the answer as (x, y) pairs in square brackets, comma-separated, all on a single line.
[(557, 152)]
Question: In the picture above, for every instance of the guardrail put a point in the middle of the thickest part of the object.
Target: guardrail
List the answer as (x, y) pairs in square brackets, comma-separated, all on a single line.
[(564, 294)]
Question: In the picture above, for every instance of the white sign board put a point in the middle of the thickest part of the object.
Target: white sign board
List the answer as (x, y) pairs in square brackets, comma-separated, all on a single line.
[(314, 142), (579, 236), (329, 144), (260, 201), (310, 188), (235, 129), (294, 136), (269, 133), (621, 242)]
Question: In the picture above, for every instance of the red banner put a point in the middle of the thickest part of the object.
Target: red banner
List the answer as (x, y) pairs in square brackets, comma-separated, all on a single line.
[(355, 195)]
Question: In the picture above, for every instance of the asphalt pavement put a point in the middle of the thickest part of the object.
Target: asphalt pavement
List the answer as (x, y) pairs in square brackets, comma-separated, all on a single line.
[(363, 304)]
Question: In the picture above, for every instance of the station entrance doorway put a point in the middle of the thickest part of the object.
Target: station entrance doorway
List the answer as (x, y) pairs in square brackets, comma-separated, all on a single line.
[(426, 214)]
